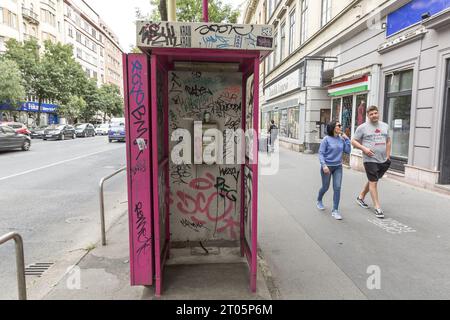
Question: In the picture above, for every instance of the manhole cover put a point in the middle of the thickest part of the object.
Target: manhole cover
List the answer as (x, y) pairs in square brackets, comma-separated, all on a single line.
[(37, 269), (78, 220)]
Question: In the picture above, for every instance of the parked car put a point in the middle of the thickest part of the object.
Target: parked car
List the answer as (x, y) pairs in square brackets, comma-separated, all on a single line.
[(37, 132), (102, 129), (59, 132), (18, 127), (116, 132), (85, 130), (10, 139)]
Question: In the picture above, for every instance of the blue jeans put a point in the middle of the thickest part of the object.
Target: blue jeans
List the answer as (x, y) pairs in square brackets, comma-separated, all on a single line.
[(336, 173)]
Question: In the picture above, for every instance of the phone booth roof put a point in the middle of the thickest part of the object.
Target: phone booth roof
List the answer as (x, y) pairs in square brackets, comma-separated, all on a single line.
[(205, 42)]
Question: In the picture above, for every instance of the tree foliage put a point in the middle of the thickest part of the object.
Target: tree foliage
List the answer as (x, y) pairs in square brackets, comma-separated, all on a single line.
[(191, 11), (72, 109), (11, 88), (55, 75), (111, 100)]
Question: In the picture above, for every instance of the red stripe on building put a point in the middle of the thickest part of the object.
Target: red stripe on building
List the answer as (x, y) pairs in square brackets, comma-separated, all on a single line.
[(348, 83)]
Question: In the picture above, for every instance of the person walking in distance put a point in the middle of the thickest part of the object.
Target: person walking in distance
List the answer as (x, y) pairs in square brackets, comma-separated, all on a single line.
[(331, 151), (273, 135), (373, 139)]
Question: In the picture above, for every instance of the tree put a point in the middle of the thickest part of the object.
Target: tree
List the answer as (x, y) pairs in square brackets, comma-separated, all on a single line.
[(111, 101), (191, 11), (54, 76), (11, 88), (27, 58), (92, 98), (72, 109)]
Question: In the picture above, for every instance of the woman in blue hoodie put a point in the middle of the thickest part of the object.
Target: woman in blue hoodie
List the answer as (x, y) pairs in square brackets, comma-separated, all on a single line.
[(331, 151)]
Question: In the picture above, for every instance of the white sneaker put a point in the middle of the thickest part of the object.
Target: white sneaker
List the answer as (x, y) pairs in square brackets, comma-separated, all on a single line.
[(336, 215)]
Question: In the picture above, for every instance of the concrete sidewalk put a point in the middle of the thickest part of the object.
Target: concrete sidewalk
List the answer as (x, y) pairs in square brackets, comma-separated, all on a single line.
[(189, 274), (313, 256)]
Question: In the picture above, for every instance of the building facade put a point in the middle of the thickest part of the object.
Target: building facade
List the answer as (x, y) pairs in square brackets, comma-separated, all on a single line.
[(113, 58), (73, 22), (335, 58)]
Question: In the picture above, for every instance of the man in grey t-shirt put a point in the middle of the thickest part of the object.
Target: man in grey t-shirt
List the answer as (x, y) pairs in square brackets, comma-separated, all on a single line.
[(372, 138)]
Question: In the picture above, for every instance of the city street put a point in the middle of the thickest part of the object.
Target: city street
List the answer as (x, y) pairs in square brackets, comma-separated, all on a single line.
[(313, 256), (50, 196)]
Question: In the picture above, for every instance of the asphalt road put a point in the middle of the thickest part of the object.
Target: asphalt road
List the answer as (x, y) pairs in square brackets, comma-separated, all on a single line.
[(50, 196), (313, 256)]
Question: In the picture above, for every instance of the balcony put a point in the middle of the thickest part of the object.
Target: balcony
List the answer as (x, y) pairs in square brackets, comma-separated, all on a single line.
[(30, 16)]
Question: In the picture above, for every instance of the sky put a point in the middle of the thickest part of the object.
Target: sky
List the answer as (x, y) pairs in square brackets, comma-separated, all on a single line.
[(120, 15)]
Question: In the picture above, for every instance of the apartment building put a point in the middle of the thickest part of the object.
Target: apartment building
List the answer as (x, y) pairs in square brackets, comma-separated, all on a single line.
[(74, 22), (26, 19), (335, 58), (113, 58)]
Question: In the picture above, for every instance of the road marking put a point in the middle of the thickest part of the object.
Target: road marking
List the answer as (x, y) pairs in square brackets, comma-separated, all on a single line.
[(392, 226), (56, 164)]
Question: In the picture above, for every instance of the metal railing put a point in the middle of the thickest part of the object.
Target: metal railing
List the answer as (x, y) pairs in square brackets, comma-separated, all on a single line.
[(102, 203), (20, 262)]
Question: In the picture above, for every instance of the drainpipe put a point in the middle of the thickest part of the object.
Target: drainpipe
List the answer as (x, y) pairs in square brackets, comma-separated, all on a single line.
[(205, 11), (171, 10)]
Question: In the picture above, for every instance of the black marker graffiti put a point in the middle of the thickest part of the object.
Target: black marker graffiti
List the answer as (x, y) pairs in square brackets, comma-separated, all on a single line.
[(224, 28), (141, 227), (195, 226), (156, 35), (235, 173), (180, 173), (224, 190), (198, 91)]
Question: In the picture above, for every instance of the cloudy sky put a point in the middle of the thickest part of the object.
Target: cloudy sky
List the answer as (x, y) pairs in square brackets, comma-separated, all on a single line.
[(120, 16)]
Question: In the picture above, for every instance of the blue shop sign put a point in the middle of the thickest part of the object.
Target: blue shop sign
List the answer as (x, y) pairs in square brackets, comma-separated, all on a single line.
[(31, 107), (411, 14)]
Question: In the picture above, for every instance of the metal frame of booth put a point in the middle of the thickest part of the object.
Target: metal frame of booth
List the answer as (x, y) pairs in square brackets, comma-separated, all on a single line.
[(148, 154)]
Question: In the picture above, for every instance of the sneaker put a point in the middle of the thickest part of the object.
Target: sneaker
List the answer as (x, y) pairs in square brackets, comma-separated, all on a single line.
[(320, 206), (379, 213), (335, 214), (362, 203)]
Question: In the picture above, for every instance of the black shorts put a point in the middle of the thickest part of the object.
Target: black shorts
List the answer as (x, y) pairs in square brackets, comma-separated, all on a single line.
[(375, 171)]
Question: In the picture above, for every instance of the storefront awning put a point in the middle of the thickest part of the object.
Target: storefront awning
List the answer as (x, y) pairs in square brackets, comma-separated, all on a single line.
[(349, 87)]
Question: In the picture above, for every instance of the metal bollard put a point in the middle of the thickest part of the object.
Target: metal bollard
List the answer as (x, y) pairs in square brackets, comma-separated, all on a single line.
[(20, 262), (102, 203)]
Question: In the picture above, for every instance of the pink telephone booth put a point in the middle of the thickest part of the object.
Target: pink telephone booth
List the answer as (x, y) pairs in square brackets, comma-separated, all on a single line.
[(192, 117)]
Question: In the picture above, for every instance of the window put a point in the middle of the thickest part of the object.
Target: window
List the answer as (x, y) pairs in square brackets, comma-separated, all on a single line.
[(304, 27), (326, 11), (70, 32), (79, 53), (79, 37), (398, 112), (291, 31), (8, 18), (48, 17), (283, 42)]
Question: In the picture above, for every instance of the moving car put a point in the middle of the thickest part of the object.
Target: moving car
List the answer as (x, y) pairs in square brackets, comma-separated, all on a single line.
[(10, 139), (18, 127), (85, 130), (38, 132), (116, 132), (102, 129), (59, 132)]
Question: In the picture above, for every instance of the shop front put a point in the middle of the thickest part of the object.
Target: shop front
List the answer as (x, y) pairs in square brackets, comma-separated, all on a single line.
[(27, 113), (349, 105)]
